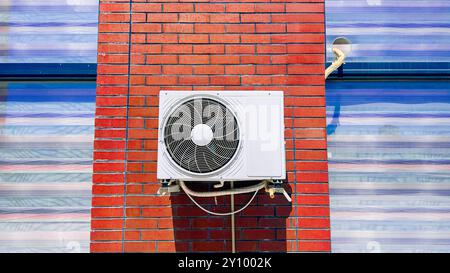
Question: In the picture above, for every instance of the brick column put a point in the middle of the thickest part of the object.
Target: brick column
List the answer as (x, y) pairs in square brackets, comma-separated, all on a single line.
[(206, 45)]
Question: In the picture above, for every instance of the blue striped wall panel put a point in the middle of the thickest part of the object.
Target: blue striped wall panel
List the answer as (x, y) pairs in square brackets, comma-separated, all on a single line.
[(65, 31), (46, 142), (48, 31), (389, 165), (386, 31)]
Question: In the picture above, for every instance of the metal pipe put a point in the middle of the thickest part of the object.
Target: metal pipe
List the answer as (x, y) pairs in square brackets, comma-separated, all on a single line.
[(233, 223)]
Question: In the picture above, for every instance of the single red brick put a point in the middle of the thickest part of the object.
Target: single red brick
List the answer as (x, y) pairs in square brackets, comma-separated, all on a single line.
[(140, 247), (116, 27), (107, 189), (311, 144), (296, 18), (113, 38), (137, 80), (212, 49), (240, 69), (146, 69), (162, 59), (138, 18), (146, 7), (106, 224), (157, 211), (194, 18), (225, 80), (193, 38), (270, 8), (170, 247), (111, 101), (109, 144), (255, 59), (313, 177), (178, 28), (162, 38), (162, 17), (255, 39), (305, 28), (141, 223), (240, 8), (313, 200), (146, 48), (158, 235), (209, 28), (256, 80), (224, 38), (305, 7), (147, 28), (305, 48), (314, 246), (201, 7), (184, 7), (107, 178), (298, 38), (225, 59), (255, 18), (113, 59), (194, 59), (105, 247), (270, 28), (271, 49), (177, 69), (109, 156), (161, 80), (106, 212), (240, 49), (270, 69), (191, 234), (181, 49), (298, 59), (193, 80), (112, 48), (306, 222), (224, 18), (208, 246), (209, 70), (240, 28), (114, 7), (257, 234)]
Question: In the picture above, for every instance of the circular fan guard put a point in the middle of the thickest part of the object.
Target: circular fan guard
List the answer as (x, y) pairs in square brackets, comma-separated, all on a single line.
[(212, 156)]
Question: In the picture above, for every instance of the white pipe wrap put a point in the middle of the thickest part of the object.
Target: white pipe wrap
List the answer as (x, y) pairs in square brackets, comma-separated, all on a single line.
[(242, 190), (340, 58)]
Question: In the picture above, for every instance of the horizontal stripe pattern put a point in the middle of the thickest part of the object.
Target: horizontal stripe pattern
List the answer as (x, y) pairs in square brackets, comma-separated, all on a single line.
[(46, 138), (48, 31), (389, 155), (391, 30)]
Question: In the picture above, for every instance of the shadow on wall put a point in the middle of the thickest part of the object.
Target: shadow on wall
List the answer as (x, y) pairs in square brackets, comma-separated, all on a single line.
[(260, 227), (333, 125)]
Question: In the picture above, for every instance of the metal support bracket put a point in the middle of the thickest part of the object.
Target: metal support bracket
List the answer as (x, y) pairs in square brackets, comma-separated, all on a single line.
[(277, 187), (167, 187)]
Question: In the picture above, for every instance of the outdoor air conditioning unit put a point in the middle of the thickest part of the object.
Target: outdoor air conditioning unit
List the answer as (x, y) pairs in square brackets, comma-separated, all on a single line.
[(221, 135)]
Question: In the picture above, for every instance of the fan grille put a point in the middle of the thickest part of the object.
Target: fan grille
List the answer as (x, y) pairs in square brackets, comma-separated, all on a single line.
[(212, 156)]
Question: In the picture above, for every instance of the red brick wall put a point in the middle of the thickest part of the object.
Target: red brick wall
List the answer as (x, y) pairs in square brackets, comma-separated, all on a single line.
[(199, 45)]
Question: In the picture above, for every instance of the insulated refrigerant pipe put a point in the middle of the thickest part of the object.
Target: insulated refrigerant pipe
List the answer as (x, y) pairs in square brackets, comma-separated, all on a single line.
[(254, 188), (242, 190), (340, 58)]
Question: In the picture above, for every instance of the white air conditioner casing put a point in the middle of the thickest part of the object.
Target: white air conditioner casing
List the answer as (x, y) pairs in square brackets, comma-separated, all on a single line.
[(258, 142)]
